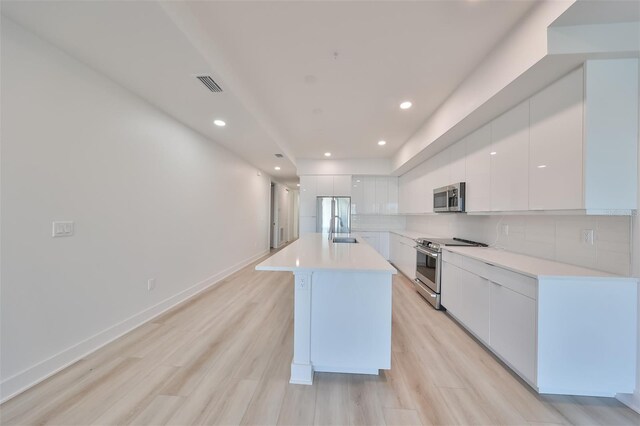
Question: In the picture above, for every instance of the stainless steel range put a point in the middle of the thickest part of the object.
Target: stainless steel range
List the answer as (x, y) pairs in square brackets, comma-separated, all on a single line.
[(429, 265)]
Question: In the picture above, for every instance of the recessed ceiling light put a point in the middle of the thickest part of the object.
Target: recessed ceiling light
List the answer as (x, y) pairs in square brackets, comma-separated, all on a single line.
[(327, 154), (297, 184), (219, 123), (277, 167), (542, 166), (492, 153), (405, 105), (358, 180), (382, 143)]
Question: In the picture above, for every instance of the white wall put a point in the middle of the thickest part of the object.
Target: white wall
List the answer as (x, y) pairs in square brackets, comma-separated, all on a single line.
[(633, 400), (150, 199)]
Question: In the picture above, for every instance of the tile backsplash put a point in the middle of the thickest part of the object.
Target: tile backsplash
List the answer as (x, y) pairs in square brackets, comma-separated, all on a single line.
[(557, 238)]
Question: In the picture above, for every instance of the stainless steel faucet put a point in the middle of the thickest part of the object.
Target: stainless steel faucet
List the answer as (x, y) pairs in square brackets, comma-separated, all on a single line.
[(332, 227)]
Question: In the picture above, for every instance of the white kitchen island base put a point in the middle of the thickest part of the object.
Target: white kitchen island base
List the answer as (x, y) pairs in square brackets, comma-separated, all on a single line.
[(342, 308)]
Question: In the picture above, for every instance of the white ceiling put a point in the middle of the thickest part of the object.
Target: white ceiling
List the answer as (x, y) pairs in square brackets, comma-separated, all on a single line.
[(300, 78)]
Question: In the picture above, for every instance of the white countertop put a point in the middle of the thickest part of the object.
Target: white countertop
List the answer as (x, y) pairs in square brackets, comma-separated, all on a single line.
[(527, 265), (314, 252)]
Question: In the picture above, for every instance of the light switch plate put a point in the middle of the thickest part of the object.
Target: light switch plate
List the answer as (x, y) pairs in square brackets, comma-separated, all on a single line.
[(62, 229)]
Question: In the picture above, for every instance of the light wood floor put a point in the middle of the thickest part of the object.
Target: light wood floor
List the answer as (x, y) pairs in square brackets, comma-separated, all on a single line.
[(224, 358)]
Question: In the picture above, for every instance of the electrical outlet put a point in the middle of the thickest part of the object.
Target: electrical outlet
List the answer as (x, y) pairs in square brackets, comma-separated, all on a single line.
[(151, 284), (587, 237), (62, 229)]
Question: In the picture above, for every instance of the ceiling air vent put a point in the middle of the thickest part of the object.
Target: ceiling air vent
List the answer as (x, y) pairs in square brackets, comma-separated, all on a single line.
[(279, 155), (208, 81)]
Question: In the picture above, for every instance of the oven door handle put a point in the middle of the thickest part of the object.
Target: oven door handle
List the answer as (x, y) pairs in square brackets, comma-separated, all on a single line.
[(428, 253)]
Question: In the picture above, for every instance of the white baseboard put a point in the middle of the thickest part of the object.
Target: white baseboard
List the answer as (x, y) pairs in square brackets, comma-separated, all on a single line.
[(631, 400), (30, 377)]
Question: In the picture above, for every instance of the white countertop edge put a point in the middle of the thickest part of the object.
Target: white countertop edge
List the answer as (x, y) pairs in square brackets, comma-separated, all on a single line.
[(590, 274), (612, 277), (391, 271)]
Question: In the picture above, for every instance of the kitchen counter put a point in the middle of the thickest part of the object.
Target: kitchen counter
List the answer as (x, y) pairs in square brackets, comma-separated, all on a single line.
[(314, 252), (342, 306), (526, 265)]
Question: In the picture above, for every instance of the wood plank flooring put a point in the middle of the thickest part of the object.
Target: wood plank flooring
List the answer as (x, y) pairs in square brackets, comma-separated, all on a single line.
[(224, 357)]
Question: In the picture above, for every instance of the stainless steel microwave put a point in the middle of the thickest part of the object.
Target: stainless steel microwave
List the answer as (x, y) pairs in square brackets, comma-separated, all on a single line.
[(449, 198)]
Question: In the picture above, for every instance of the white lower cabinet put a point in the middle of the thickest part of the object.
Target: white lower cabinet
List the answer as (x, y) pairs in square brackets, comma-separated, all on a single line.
[(475, 304), (467, 297), (450, 290), (552, 331), (378, 240), (403, 254), (500, 317), (513, 330)]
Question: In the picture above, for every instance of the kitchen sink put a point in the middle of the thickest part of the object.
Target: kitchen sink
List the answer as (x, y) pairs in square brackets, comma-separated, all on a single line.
[(347, 240)]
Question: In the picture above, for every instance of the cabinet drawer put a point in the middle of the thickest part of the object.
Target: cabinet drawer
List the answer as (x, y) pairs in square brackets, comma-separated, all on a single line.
[(453, 258), (519, 283), (476, 267)]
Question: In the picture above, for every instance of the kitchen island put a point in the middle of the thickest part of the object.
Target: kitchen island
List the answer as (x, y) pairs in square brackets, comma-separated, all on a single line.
[(342, 306)]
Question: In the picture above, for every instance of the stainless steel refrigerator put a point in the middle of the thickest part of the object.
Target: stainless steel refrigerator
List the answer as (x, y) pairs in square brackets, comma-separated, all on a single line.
[(337, 209)]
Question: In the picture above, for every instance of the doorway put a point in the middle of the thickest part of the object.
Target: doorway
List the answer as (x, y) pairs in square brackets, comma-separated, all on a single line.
[(273, 219)]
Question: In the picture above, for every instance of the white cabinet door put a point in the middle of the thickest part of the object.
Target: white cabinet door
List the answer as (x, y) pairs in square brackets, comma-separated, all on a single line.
[(342, 186), (369, 184), (357, 195), (422, 189), (403, 194), (409, 258), (372, 238), (439, 173), (513, 329), (324, 186), (475, 304), (382, 196), (555, 148), (450, 291), (308, 193), (383, 244), (393, 248), (457, 156), (510, 163), (392, 206), (478, 170)]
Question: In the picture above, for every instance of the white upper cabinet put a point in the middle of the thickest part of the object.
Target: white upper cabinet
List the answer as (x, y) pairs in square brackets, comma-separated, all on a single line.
[(572, 146), (611, 134), (374, 195), (478, 170), (439, 171), (308, 194), (555, 146), (510, 160), (457, 164), (382, 196), (369, 205), (357, 195), (324, 186), (342, 186), (393, 195)]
